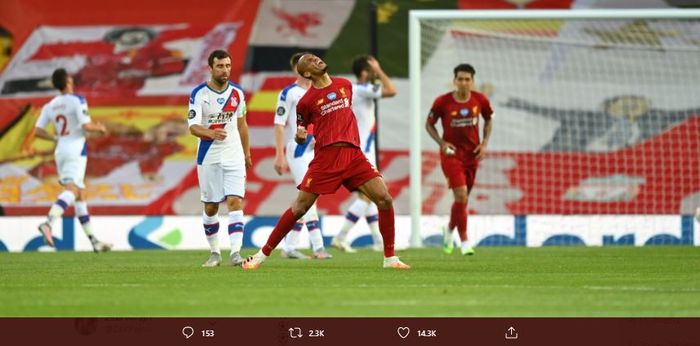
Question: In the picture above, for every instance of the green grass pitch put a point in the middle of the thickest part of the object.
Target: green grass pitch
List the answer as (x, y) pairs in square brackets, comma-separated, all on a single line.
[(509, 282)]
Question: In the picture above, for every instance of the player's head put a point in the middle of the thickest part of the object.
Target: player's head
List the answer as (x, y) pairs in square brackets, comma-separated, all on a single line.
[(220, 66), (310, 66), (464, 77), (361, 67), (61, 79), (294, 60)]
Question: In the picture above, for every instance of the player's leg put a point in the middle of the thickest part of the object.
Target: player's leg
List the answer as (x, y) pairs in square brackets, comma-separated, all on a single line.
[(372, 213), (67, 166), (372, 217), (453, 170), (377, 191), (315, 234), (81, 211), (298, 165), (299, 207), (211, 191), (355, 212), (470, 175), (458, 213), (234, 189)]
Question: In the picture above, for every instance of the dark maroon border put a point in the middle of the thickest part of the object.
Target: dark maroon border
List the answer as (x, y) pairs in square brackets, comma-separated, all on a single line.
[(350, 331)]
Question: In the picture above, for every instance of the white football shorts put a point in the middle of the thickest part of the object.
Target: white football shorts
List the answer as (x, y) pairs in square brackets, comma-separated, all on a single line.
[(298, 159), (217, 181), (71, 169)]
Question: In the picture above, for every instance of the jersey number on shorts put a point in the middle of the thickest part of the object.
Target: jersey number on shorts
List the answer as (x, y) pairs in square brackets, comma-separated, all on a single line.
[(64, 124)]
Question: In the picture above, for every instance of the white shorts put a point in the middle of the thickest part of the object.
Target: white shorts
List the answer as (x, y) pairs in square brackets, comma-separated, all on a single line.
[(298, 159), (217, 181), (71, 169)]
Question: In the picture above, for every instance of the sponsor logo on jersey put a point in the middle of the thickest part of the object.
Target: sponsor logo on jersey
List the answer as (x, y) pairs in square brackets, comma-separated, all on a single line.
[(332, 96), (220, 118), (320, 101), (280, 110), (308, 182), (453, 113), (191, 114), (475, 110), (464, 112), (234, 101), (342, 92), (220, 100)]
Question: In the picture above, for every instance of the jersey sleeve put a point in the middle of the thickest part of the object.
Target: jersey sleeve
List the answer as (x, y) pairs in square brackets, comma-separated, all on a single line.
[(435, 111), (43, 119), (302, 113), (194, 115), (242, 109), (486, 110), (284, 106), (370, 91), (82, 112)]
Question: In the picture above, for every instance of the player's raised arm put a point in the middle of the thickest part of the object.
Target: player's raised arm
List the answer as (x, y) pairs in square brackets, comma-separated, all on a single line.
[(388, 88)]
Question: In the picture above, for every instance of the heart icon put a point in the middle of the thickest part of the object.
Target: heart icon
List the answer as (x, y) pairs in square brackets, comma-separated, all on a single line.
[(403, 332)]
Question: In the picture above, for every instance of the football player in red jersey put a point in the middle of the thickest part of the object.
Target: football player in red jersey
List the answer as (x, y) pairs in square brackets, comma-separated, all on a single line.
[(338, 159), (460, 146)]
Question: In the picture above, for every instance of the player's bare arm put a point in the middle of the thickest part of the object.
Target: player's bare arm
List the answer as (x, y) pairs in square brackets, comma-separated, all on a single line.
[(93, 127), (480, 149), (205, 133), (245, 142), (388, 88), (300, 137), (444, 145), (281, 165), (43, 134)]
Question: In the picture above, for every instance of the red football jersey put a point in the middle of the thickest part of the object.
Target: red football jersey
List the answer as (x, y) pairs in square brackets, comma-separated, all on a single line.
[(330, 111), (460, 120)]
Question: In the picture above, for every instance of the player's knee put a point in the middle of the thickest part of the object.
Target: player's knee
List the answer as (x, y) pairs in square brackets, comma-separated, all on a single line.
[(299, 209), (384, 201), (211, 209)]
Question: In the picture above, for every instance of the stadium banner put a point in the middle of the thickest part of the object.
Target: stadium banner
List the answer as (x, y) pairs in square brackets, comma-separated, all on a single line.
[(126, 233), (285, 27)]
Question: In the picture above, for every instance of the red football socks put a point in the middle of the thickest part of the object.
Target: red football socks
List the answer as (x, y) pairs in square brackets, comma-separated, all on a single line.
[(458, 217), (386, 228), (284, 225)]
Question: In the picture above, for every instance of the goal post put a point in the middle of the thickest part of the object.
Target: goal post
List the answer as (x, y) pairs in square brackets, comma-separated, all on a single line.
[(632, 77)]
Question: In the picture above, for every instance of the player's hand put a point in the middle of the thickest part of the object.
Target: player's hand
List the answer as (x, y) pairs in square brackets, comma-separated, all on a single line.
[(301, 135), (480, 151), (248, 161), (281, 166), (374, 64), (218, 134), (448, 148)]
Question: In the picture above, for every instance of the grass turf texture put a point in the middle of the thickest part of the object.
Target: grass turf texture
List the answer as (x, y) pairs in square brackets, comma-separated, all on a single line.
[(550, 281)]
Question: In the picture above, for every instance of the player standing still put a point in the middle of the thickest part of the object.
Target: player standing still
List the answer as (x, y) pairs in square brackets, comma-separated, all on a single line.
[(364, 93), (69, 114), (338, 159), (296, 158), (217, 116), (460, 147)]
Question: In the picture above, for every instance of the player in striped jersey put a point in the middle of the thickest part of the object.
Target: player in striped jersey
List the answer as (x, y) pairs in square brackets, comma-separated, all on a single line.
[(217, 115), (68, 113), (364, 93)]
